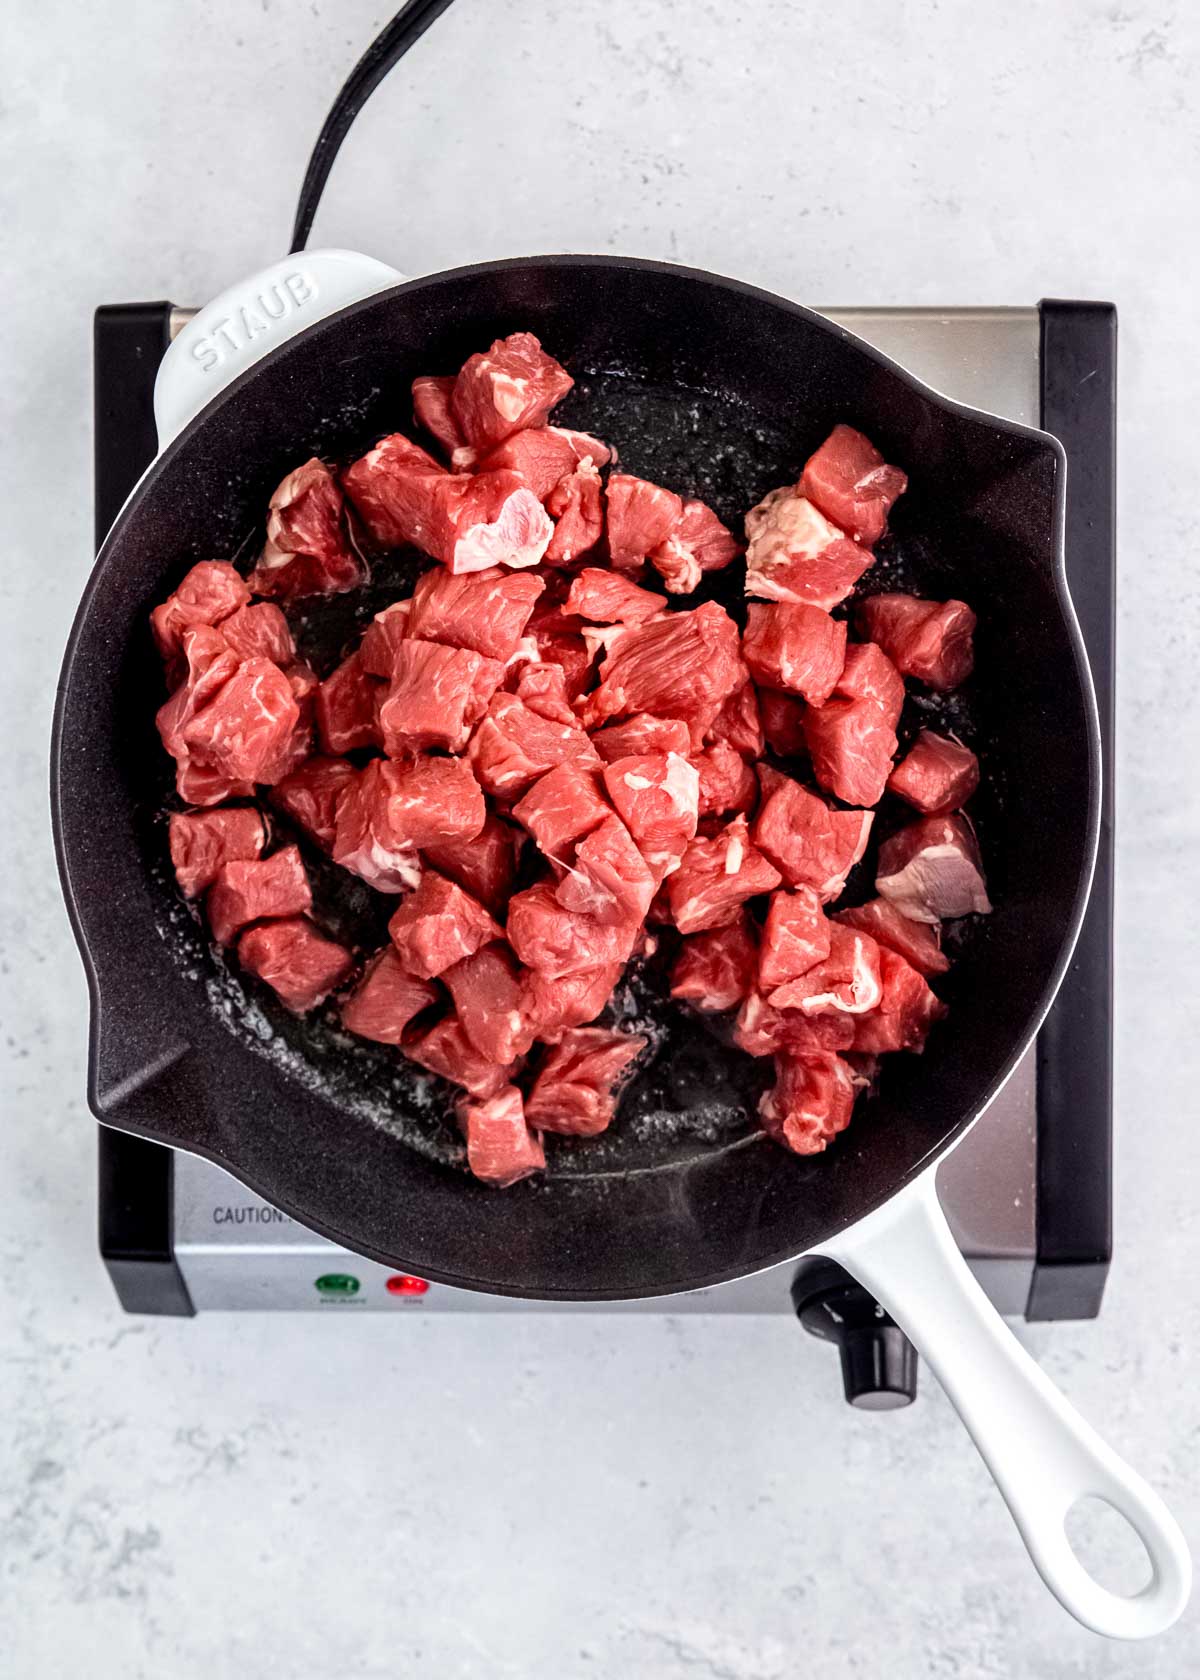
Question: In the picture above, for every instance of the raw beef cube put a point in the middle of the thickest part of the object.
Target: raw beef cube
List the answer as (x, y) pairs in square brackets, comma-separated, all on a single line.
[(812, 845), (795, 938), (932, 870), (501, 1149), (795, 647), (435, 697), (260, 631), (716, 877), (345, 708), (558, 642), (306, 551), (207, 662), (543, 689), (905, 1014), (501, 390), (196, 784), (851, 745), (811, 1102), (386, 1000), (559, 942), (930, 640), (608, 598), (848, 979), (202, 842), (715, 970), (783, 723), (386, 631), (917, 942), (392, 809), (727, 783), (541, 454), (698, 543), (848, 479), (640, 516), (552, 1006), (657, 797), (485, 611), (309, 796), (513, 746), (295, 748), (763, 1030), (869, 674), (676, 565), (577, 1086), (393, 490), (609, 878), (364, 841), (576, 506), (446, 1050), (501, 523), (685, 665), (210, 593), (255, 890), (938, 774), (438, 925), (562, 805), (300, 965), (487, 994), (485, 865), (739, 722), (795, 554), (431, 409), (246, 725), (640, 735)]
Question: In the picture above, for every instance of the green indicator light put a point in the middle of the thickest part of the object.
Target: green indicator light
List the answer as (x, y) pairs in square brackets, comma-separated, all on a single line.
[(338, 1283)]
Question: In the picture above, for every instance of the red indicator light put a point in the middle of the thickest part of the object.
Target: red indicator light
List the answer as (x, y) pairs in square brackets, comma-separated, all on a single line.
[(402, 1284)]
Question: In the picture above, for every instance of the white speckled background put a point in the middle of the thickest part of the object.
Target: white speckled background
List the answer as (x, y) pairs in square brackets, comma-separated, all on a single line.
[(582, 1497)]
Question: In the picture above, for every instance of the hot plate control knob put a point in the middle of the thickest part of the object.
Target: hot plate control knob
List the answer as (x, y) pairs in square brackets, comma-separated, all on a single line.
[(879, 1363)]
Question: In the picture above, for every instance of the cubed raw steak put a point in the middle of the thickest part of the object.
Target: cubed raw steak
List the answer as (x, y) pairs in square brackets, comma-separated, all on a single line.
[(907, 1010), (937, 774), (392, 809), (484, 865), (244, 728), (715, 970), (438, 925), (684, 665), (543, 455), (543, 688), (435, 697), (560, 942), (932, 870), (794, 553), (850, 482), (657, 797), (392, 490), (255, 890), (260, 631), (431, 409), (576, 506), (210, 593), (552, 1006), (868, 674), (812, 845), (608, 598), (638, 517), (386, 1000), (487, 994), (206, 664), (810, 1103), (345, 707), (446, 1050), (642, 735), (739, 723), (609, 879), (716, 877), (847, 980), (930, 640), (727, 782), (559, 643), (309, 796), (306, 551), (513, 746), (917, 942), (697, 543), (851, 745), (762, 1030), (577, 1086), (300, 965), (384, 635), (484, 611), (795, 937), (793, 646), (562, 805), (783, 722), (202, 842), (501, 1149), (500, 391)]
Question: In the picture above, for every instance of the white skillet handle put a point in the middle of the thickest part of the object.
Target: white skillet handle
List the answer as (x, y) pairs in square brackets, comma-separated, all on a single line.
[(1043, 1456), (240, 326)]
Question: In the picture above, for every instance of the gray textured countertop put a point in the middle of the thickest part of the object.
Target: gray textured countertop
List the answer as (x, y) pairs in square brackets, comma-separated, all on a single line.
[(545, 1497)]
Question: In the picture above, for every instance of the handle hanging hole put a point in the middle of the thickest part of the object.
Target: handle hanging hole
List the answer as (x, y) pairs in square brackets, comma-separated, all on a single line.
[(1108, 1546)]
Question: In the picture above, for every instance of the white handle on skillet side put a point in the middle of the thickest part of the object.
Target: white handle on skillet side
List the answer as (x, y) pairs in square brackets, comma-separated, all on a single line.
[(240, 326), (1042, 1454)]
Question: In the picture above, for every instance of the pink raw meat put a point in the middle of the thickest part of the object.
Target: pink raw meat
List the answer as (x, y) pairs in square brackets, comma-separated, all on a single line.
[(715, 970), (795, 554), (847, 980), (868, 674), (386, 1000), (552, 1006), (783, 722), (739, 722), (795, 937), (608, 879), (559, 942), (486, 989), (484, 865), (392, 809), (640, 735), (851, 745), (716, 877), (501, 1149), (543, 455), (206, 663), (485, 611), (260, 631), (639, 516), (390, 487), (657, 797), (543, 689), (684, 665), (501, 390), (577, 1086), (697, 543), (243, 729), (810, 1103), (300, 965), (431, 409), (762, 1029), (727, 782), (513, 746), (907, 1010), (345, 707), (916, 942), (938, 774), (253, 890), (306, 551), (210, 593), (438, 925), (309, 796), (932, 870), (384, 635), (795, 647), (812, 845), (576, 506), (848, 479), (929, 640), (608, 598), (562, 805), (202, 842), (446, 1050), (435, 697)]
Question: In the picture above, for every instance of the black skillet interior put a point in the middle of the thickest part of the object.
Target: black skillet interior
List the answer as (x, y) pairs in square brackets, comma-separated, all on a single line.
[(717, 390)]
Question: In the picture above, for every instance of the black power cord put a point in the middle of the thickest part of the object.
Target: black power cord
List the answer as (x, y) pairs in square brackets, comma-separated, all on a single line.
[(388, 47)]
